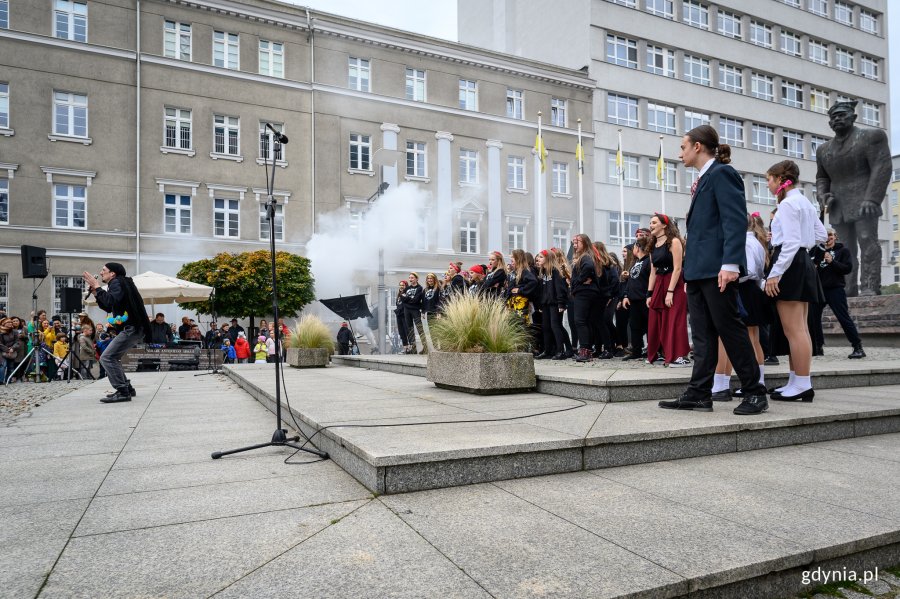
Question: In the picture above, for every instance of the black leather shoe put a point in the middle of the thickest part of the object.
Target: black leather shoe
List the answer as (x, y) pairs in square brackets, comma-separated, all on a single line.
[(806, 396), (121, 394), (685, 403), (857, 353), (771, 361), (818, 351), (752, 404), (131, 391), (543, 356), (724, 395), (605, 355)]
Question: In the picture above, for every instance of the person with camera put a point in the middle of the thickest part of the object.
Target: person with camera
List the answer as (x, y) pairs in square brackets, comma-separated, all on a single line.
[(128, 318), (833, 264)]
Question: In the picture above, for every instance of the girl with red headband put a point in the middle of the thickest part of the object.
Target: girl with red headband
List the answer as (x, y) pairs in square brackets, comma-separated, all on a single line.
[(586, 293), (522, 284), (667, 317)]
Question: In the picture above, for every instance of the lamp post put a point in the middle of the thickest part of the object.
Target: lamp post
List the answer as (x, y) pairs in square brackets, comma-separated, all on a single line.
[(383, 158)]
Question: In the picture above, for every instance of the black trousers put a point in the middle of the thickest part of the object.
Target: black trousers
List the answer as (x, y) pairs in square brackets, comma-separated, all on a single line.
[(836, 299), (556, 339), (414, 323), (570, 315), (622, 317), (714, 316), (402, 330), (548, 341), (637, 323), (588, 312)]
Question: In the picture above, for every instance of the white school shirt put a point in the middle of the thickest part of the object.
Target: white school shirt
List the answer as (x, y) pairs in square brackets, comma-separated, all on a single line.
[(796, 227), (756, 259)]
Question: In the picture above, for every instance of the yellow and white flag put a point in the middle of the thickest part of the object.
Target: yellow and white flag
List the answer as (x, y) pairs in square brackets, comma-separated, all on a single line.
[(541, 151), (660, 166), (620, 163), (579, 157)]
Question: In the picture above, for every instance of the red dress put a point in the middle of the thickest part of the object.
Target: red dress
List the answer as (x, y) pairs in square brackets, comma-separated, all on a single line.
[(667, 326)]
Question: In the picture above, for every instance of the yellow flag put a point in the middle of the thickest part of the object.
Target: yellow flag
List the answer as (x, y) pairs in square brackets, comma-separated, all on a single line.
[(541, 151), (620, 163), (579, 158), (660, 166)]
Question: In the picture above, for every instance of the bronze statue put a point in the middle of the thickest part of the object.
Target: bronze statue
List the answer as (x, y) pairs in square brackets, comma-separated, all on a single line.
[(854, 170)]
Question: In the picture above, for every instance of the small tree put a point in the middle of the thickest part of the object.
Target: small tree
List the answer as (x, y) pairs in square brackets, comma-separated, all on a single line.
[(243, 283)]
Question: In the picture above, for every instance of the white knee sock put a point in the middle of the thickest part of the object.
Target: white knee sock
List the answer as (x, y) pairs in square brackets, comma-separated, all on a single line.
[(721, 382), (762, 375)]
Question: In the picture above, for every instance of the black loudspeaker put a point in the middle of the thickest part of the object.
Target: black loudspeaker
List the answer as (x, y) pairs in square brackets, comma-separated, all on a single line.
[(34, 262), (70, 300)]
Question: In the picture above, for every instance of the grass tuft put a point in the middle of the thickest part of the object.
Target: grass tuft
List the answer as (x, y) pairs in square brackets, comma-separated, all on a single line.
[(311, 333), (473, 324)]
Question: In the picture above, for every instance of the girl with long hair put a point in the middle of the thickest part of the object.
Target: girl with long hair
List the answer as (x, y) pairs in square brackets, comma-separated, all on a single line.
[(554, 297), (412, 307), (586, 292), (457, 281), (792, 280), (667, 303), (608, 282), (400, 314), (431, 296), (635, 296), (495, 282), (562, 264), (522, 284)]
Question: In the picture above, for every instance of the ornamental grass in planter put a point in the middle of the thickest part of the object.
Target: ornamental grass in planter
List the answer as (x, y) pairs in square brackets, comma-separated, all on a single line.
[(480, 347), (310, 344)]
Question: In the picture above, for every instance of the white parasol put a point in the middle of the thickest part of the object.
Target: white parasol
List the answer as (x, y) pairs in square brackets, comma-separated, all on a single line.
[(163, 289)]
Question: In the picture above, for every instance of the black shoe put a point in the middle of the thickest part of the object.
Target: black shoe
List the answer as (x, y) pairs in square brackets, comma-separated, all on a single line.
[(857, 353), (771, 361), (686, 403), (818, 351), (619, 353), (131, 391), (121, 394), (724, 395), (584, 355), (752, 404), (543, 356), (559, 356), (605, 355), (806, 396)]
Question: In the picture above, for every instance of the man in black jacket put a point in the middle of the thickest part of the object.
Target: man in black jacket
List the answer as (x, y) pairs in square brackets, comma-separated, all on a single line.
[(160, 330), (833, 263), (344, 338), (127, 317)]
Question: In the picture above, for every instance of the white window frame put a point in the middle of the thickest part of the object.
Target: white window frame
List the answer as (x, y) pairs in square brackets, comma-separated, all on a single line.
[(468, 94), (791, 94), (692, 63), (792, 144), (731, 131), (69, 203), (843, 60), (843, 13), (560, 179), (762, 87), (868, 67), (4, 291), (416, 159), (60, 282), (360, 153), (559, 112), (230, 126), (670, 175), (271, 58), (819, 100), (657, 55), (760, 34), (469, 230), (231, 207), (4, 201), (229, 46), (174, 35), (789, 43), (729, 24), (4, 14), (731, 78), (264, 222), (617, 104), (359, 74), (632, 224), (661, 8), (760, 191), (818, 7), (631, 170), (696, 14), (515, 104), (177, 209), (4, 105), (621, 51), (177, 120), (695, 119), (76, 107), (75, 15), (468, 167), (814, 142), (267, 146), (690, 175), (654, 112), (515, 174), (870, 114), (560, 236), (416, 84), (762, 138), (868, 22), (515, 236), (818, 52)]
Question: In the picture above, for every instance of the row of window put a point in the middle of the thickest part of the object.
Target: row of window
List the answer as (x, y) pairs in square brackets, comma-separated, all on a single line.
[(226, 143), (697, 14)]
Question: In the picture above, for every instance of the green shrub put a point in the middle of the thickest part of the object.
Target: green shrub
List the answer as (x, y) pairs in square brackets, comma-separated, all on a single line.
[(473, 324), (311, 333)]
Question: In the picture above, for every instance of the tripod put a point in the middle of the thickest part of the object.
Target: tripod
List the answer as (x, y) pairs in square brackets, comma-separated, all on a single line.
[(82, 369), (211, 363), (279, 437), (35, 352)]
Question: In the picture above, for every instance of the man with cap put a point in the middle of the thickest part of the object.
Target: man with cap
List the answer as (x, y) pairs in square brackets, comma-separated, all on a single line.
[(127, 317), (235, 330), (854, 169), (344, 338)]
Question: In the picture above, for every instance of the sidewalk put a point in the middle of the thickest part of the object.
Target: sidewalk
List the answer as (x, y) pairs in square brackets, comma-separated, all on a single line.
[(123, 500)]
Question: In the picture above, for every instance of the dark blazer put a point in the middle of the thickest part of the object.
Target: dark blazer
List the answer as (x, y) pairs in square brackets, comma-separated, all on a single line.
[(716, 224)]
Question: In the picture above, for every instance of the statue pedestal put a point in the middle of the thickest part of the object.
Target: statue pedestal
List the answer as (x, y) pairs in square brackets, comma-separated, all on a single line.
[(877, 317)]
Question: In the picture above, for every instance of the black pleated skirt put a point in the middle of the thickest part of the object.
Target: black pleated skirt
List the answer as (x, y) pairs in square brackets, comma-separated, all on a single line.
[(800, 282), (757, 305)]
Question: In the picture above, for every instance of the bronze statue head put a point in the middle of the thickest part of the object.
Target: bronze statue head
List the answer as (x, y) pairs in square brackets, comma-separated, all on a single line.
[(841, 116)]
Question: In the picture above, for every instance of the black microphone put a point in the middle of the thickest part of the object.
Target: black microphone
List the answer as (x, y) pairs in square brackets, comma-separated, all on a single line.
[(278, 135), (87, 294)]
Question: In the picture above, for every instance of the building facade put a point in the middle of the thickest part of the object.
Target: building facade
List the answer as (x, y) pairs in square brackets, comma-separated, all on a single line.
[(762, 73), (136, 131)]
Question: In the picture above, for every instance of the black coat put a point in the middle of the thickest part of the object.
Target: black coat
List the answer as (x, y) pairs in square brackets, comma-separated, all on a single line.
[(554, 290), (121, 297), (527, 284), (344, 336), (638, 280), (412, 301), (160, 332), (494, 283), (832, 274), (431, 301), (584, 276)]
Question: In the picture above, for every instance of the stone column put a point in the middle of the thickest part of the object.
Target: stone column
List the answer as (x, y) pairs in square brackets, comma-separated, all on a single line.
[(389, 133), (494, 195), (444, 192)]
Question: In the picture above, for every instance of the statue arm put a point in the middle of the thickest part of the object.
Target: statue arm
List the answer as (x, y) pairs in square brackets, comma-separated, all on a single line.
[(878, 157), (823, 183)]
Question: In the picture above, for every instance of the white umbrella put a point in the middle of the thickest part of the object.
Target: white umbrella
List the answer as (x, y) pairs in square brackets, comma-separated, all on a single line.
[(163, 289)]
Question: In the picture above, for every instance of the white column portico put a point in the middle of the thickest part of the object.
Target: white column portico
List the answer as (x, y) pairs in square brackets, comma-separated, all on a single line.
[(389, 133), (494, 191), (444, 192)]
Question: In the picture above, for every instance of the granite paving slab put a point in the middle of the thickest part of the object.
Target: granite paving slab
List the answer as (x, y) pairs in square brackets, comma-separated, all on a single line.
[(42, 480)]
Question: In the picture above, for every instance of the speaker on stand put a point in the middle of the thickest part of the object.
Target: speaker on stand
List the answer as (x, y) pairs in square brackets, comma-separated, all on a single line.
[(34, 262)]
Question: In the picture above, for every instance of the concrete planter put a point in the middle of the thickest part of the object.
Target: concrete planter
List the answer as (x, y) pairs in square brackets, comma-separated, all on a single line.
[(307, 358), (482, 374)]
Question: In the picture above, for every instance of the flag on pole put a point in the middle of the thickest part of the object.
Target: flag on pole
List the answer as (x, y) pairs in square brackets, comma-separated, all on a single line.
[(620, 163), (660, 166), (541, 151), (579, 157)]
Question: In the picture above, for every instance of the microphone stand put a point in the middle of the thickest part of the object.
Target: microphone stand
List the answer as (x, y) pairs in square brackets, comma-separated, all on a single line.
[(279, 437)]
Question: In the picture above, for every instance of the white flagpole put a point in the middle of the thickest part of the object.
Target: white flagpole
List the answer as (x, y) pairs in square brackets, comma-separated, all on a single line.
[(621, 193), (580, 183), (662, 184), (541, 204)]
